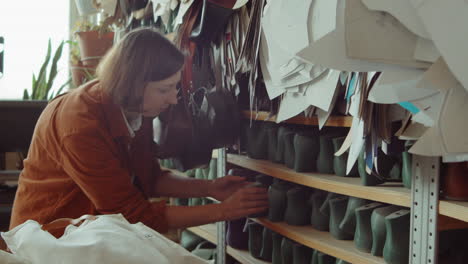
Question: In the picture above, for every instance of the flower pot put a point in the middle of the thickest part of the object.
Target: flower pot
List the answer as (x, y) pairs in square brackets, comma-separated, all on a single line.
[(81, 74), (93, 46)]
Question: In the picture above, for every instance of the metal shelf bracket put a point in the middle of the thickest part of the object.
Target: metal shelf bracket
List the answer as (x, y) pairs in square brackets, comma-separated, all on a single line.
[(221, 226), (424, 198)]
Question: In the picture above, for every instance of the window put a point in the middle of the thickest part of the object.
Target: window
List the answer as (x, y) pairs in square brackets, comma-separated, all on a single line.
[(26, 27)]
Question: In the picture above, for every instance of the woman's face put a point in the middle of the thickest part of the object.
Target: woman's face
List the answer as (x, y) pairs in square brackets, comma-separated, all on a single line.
[(159, 95)]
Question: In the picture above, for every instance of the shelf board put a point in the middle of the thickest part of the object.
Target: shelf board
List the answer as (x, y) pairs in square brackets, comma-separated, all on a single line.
[(322, 241), (454, 209), (208, 232), (333, 121), (392, 193), (243, 256)]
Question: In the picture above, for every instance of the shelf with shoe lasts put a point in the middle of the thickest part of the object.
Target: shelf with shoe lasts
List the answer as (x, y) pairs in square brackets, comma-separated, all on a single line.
[(388, 193), (333, 121), (392, 193), (454, 209), (451, 212), (208, 232), (321, 241)]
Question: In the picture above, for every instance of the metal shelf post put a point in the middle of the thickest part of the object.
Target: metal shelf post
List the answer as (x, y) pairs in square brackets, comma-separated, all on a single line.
[(424, 210), (221, 226)]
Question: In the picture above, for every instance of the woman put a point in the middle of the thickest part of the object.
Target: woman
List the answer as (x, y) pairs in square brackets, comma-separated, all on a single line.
[(92, 149)]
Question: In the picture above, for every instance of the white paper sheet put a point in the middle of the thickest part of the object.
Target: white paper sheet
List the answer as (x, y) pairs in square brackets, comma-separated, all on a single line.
[(323, 20), (162, 9), (430, 108), (426, 50), (403, 11), (447, 21), (271, 65), (399, 84), (413, 132), (291, 105), (448, 135), (330, 50), (320, 92), (378, 37), (183, 8), (357, 143)]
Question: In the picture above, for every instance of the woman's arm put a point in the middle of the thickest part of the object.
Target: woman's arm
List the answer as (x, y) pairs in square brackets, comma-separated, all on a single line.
[(245, 201), (170, 185)]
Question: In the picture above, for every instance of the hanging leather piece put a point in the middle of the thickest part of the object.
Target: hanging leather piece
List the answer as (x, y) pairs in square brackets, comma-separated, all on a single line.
[(211, 20)]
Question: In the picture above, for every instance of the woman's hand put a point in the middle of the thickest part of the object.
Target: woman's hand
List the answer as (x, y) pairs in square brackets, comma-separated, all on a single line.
[(223, 187), (245, 201)]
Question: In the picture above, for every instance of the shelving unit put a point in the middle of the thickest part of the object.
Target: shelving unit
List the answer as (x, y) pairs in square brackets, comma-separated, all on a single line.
[(333, 121), (429, 214), (388, 193), (322, 241), (454, 209), (208, 232)]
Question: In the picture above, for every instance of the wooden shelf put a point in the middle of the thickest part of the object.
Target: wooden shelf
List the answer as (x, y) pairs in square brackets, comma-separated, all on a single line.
[(208, 232), (322, 241), (175, 172), (454, 209), (392, 193), (333, 121)]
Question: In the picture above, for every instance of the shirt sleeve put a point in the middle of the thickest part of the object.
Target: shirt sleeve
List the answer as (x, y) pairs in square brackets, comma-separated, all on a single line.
[(94, 165)]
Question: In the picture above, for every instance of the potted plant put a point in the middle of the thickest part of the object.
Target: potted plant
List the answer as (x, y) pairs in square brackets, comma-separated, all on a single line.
[(79, 73), (42, 84), (93, 41), (19, 117)]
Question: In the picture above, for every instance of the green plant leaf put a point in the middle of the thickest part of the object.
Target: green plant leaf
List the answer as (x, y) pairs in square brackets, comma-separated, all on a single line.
[(42, 74), (53, 69), (25, 94), (59, 91)]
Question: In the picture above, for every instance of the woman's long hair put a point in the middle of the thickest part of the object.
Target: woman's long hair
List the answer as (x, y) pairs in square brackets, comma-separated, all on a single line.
[(141, 56)]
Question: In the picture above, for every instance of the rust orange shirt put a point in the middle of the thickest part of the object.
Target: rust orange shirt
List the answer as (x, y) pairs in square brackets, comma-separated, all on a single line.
[(81, 161)]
